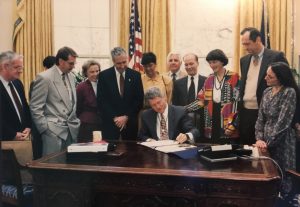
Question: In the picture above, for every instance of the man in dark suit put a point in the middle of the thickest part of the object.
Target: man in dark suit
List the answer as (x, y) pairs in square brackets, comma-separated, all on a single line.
[(173, 66), (181, 86), (120, 98), (165, 121), (185, 90), (14, 107), (253, 72)]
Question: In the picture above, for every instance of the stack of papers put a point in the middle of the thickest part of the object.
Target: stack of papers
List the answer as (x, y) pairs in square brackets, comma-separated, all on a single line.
[(167, 146), (88, 147)]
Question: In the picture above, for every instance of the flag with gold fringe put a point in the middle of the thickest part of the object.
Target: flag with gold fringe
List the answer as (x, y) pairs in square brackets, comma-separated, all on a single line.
[(19, 17), (264, 28), (135, 39)]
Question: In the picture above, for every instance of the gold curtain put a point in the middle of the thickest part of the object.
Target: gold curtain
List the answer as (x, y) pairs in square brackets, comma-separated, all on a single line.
[(155, 22), (34, 39), (249, 14)]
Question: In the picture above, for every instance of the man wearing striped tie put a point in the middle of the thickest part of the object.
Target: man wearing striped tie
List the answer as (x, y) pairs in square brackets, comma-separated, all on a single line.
[(165, 121)]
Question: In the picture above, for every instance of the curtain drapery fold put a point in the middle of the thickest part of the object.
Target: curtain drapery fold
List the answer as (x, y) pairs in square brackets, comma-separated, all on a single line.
[(155, 23), (249, 14), (34, 38)]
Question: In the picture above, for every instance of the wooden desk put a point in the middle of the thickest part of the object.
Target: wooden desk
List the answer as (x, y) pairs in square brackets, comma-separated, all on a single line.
[(144, 177)]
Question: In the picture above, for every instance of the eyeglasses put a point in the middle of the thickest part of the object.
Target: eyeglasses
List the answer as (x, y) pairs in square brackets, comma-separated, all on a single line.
[(18, 68), (71, 63)]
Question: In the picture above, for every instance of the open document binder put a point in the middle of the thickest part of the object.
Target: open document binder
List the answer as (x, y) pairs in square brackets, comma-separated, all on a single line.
[(184, 151)]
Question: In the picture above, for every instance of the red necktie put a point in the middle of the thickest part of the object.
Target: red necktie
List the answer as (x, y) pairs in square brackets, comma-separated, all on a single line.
[(122, 84)]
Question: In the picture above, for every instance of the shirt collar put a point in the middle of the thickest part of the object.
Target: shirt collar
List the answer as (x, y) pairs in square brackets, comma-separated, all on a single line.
[(177, 73), (260, 54), (118, 73), (195, 76), (60, 72), (165, 113), (5, 82)]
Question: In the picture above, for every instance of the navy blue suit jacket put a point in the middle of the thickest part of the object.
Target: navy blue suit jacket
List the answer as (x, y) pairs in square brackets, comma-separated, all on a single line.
[(112, 104), (178, 122), (180, 90), (11, 122)]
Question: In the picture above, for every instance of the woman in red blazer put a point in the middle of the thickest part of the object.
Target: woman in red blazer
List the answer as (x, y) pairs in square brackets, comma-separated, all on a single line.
[(87, 110)]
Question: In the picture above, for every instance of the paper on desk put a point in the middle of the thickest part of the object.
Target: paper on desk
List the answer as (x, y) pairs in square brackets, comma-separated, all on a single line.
[(174, 148), (159, 143)]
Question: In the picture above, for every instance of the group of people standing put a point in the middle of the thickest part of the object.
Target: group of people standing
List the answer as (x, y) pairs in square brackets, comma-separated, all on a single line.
[(257, 108)]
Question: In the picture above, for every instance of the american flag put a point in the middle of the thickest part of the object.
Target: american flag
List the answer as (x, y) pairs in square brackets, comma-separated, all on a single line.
[(264, 28), (135, 38)]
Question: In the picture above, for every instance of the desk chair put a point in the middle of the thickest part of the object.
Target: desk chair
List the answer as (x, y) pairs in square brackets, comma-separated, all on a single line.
[(14, 192), (294, 200)]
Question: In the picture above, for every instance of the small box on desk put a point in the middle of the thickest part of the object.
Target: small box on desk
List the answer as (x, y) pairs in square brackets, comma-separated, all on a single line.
[(221, 153)]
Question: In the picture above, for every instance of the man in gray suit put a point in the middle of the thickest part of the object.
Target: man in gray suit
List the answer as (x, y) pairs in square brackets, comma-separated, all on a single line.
[(53, 103), (253, 83), (165, 121)]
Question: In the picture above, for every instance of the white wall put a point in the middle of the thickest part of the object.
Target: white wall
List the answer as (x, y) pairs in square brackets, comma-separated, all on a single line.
[(85, 26), (91, 29), (200, 26), (6, 25)]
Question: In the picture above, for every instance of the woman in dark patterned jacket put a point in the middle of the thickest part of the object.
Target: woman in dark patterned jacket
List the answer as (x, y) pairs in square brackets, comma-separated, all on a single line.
[(273, 129)]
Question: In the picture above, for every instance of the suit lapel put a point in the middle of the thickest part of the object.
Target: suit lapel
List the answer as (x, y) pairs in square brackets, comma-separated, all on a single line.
[(246, 65), (153, 119), (115, 82), (127, 82), (10, 104), (199, 84), (184, 89), (263, 66), (171, 121), (61, 88), (244, 71), (72, 84)]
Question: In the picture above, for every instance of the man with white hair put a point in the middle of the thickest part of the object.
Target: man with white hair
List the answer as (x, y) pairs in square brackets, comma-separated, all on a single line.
[(173, 66), (14, 107), (120, 97)]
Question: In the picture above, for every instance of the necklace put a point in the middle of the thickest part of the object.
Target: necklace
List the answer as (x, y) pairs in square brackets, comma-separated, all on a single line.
[(219, 81)]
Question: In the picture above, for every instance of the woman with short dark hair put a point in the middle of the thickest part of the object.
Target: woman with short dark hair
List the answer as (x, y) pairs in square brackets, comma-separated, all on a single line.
[(219, 97), (87, 110)]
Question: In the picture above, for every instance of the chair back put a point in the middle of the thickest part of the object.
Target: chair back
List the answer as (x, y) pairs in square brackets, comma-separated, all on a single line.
[(13, 191), (11, 176)]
